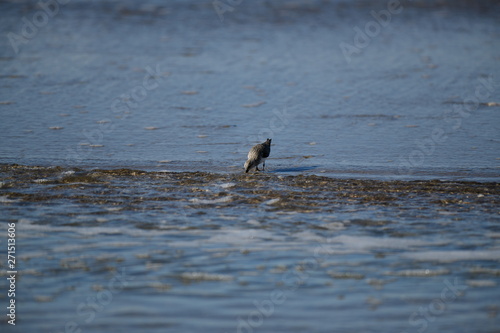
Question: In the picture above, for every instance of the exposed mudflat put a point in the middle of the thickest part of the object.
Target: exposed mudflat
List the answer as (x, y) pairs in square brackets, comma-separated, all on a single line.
[(282, 192)]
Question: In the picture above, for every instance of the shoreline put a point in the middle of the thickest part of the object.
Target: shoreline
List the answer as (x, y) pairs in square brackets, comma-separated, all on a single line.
[(203, 189), (367, 173)]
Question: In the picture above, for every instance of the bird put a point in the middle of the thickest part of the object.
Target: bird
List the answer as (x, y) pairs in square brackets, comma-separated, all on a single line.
[(258, 155)]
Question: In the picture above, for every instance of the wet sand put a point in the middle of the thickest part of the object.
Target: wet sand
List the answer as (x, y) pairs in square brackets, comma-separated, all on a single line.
[(286, 192)]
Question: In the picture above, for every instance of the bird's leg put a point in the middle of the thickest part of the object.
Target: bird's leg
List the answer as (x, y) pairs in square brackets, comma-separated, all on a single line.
[(263, 166)]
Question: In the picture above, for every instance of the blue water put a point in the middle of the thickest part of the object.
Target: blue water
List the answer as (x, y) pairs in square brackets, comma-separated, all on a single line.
[(188, 242), (405, 103)]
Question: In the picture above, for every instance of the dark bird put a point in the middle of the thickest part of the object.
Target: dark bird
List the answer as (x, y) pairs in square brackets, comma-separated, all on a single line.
[(258, 155)]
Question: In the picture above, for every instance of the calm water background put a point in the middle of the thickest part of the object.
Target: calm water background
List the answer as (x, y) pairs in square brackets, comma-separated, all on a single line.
[(168, 87)]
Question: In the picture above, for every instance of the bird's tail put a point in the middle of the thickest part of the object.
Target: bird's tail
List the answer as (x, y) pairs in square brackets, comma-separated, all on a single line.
[(248, 165)]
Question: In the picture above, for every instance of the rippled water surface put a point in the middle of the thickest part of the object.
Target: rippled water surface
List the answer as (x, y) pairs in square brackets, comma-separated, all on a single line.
[(204, 251), (124, 129)]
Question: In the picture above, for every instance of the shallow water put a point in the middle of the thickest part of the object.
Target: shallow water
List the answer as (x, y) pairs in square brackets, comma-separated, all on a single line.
[(125, 126), (133, 85), (203, 251)]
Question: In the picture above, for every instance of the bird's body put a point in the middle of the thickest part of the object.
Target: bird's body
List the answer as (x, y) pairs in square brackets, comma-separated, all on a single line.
[(258, 155)]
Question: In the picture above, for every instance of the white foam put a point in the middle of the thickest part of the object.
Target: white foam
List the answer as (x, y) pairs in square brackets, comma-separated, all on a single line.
[(214, 201), (5, 199), (26, 226), (227, 185), (113, 209), (420, 272), (201, 276), (254, 222), (450, 256), (272, 201), (334, 226), (240, 239), (309, 236), (240, 236), (370, 243)]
